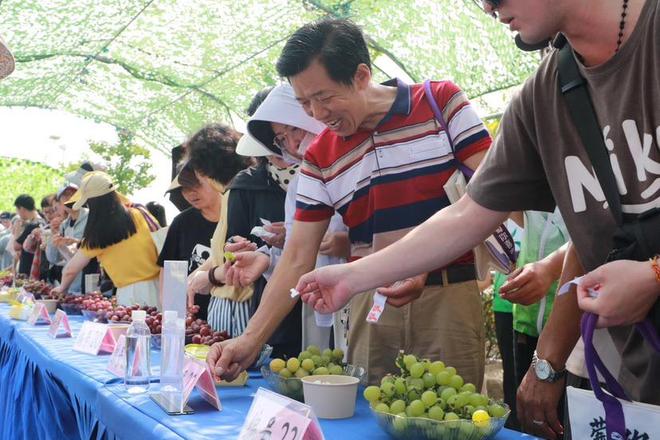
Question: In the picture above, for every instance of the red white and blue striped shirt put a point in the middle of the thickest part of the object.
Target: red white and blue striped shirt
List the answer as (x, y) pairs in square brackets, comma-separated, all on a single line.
[(387, 181)]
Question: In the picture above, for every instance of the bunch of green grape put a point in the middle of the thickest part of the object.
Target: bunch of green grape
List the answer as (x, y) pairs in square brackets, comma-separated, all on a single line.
[(311, 362), (433, 391)]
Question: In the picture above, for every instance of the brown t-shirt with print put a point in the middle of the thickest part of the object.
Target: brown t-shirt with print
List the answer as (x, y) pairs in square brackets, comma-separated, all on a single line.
[(538, 160)]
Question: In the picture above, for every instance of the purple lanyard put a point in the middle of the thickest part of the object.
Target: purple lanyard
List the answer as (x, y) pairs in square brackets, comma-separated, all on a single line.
[(614, 418)]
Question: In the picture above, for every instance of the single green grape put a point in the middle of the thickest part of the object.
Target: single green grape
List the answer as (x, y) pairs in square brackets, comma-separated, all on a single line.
[(400, 386), (325, 360), (276, 365), (456, 381), (314, 350), (436, 413), (450, 370), (477, 399), (436, 367), (415, 383), (382, 407), (416, 408), (286, 373), (497, 411), (304, 355), (321, 371), (336, 370), (327, 352), (293, 364), (301, 372), (398, 406), (387, 378), (416, 370), (316, 359), (468, 410), (338, 354), (308, 364), (429, 380), (469, 387), (442, 378), (429, 398), (408, 360), (451, 417), (387, 389), (371, 393), (447, 393), (441, 403)]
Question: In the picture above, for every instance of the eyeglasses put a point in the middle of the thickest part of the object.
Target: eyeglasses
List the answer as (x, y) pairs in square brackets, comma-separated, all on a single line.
[(281, 140)]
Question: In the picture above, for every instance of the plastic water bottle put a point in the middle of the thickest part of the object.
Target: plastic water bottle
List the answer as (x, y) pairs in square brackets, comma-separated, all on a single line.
[(138, 354), (171, 368)]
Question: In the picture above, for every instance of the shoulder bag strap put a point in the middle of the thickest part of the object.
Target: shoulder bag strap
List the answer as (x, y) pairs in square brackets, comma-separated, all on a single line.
[(467, 171), (573, 87)]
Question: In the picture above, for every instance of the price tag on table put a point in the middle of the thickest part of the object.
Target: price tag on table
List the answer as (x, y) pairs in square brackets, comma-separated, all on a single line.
[(60, 318), (277, 417), (117, 363), (196, 374), (39, 315), (24, 296), (95, 337)]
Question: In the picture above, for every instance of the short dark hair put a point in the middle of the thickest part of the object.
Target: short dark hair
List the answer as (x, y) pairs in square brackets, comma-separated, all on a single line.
[(108, 222), (212, 152), (24, 201), (158, 211), (338, 44), (47, 201)]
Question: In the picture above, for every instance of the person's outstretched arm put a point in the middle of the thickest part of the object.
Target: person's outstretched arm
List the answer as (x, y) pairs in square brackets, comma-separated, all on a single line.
[(435, 243)]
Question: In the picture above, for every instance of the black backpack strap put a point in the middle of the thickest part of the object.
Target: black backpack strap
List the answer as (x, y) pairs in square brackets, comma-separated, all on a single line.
[(574, 89)]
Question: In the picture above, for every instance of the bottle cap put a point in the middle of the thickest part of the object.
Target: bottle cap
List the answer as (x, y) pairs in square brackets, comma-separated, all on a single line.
[(138, 315)]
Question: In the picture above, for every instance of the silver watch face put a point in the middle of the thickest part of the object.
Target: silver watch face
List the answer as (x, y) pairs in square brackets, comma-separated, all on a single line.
[(542, 369)]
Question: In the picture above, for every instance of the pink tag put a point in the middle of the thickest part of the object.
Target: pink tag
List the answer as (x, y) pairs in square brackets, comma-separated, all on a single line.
[(95, 337), (112, 335), (289, 424), (39, 315), (60, 318), (24, 296), (276, 416), (196, 374), (117, 363)]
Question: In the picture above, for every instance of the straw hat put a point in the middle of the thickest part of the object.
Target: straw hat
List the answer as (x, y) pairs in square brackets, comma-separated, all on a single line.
[(7, 62), (94, 184)]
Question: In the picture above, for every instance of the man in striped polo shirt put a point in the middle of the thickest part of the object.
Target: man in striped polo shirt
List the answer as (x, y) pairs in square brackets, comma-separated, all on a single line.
[(381, 164)]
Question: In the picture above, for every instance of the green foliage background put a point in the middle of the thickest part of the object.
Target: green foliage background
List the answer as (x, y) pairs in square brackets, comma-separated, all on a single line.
[(19, 176)]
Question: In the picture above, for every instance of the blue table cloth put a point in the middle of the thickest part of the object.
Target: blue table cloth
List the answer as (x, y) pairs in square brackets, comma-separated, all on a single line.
[(49, 391)]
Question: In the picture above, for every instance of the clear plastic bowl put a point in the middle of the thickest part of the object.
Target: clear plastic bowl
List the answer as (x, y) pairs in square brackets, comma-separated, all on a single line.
[(419, 428), (292, 387)]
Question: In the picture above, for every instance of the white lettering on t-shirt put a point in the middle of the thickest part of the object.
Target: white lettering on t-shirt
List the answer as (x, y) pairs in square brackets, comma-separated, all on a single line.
[(583, 179)]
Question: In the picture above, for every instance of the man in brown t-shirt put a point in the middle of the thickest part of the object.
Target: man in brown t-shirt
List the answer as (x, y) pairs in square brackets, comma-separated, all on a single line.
[(538, 161)]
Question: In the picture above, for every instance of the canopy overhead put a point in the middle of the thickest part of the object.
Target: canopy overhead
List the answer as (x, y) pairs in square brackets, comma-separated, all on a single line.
[(162, 69)]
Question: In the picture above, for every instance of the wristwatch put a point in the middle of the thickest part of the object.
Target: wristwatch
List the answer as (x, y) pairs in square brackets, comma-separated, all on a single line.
[(544, 371)]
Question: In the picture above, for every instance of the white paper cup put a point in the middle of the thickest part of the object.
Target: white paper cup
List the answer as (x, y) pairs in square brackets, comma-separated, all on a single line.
[(331, 396)]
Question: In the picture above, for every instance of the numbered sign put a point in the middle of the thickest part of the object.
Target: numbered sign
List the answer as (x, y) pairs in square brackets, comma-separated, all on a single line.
[(277, 417), (95, 337), (196, 374), (60, 319), (39, 315)]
